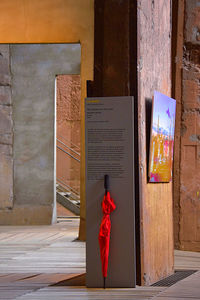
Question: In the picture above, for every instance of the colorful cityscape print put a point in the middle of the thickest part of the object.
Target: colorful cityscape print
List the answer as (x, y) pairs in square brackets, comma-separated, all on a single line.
[(162, 138)]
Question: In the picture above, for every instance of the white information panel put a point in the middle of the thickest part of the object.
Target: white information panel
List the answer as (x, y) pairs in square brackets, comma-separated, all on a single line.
[(110, 151)]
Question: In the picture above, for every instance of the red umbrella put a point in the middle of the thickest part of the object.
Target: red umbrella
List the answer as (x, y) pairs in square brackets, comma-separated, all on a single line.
[(108, 206)]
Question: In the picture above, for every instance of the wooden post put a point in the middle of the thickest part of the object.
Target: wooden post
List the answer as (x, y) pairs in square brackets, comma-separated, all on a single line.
[(133, 57)]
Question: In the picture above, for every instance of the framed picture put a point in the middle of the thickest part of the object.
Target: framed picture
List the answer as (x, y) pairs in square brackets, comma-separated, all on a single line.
[(162, 138)]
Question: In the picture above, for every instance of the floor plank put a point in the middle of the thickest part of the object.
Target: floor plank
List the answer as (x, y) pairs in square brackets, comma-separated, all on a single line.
[(33, 258)]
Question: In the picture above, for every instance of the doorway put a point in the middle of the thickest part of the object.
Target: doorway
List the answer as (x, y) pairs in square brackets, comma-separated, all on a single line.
[(68, 139)]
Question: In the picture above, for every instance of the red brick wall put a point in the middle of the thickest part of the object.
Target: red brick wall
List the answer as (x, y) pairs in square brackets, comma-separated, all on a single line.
[(190, 131), (68, 127)]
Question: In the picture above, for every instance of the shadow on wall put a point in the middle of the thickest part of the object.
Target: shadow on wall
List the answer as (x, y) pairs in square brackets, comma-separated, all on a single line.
[(148, 112)]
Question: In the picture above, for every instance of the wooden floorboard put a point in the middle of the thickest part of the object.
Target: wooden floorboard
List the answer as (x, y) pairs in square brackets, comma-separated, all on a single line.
[(186, 260), (34, 258), (72, 293)]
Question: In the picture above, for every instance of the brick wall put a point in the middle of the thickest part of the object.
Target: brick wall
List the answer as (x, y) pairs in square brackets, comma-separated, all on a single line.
[(68, 127), (190, 131)]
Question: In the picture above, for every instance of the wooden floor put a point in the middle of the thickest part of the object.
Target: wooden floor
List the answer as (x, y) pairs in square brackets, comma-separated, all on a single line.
[(33, 259)]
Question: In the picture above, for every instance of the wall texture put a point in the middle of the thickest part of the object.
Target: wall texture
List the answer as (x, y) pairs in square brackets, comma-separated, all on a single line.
[(53, 21), (189, 235), (34, 68), (6, 131), (68, 129)]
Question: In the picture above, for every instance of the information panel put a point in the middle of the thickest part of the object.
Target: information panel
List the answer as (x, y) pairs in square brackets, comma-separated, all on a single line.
[(109, 151)]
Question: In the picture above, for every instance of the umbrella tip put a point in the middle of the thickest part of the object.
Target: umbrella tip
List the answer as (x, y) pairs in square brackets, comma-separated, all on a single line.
[(104, 282)]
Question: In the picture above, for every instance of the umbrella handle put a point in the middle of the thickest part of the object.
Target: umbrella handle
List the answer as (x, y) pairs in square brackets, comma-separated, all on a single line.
[(106, 182)]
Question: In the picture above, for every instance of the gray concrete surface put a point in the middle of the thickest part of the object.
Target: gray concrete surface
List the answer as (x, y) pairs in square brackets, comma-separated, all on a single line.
[(6, 131), (34, 68)]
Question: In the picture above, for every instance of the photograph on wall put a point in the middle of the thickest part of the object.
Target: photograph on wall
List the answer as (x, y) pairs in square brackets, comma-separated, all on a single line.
[(162, 138)]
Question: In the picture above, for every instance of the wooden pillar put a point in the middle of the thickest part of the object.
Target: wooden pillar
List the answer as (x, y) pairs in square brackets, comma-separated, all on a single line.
[(133, 57), (177, 54), (154, 73), (111, 47)]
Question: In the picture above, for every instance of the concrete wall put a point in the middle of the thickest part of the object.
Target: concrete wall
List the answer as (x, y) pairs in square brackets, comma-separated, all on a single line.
[(6, 131), (53, 21), (33, 69)]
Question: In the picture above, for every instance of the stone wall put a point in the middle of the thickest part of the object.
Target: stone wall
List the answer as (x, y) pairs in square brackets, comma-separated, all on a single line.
[(34, 68), (63, 21), (6, 131)]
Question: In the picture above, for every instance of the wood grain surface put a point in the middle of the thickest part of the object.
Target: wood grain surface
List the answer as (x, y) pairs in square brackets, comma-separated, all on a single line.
[(34, 259)]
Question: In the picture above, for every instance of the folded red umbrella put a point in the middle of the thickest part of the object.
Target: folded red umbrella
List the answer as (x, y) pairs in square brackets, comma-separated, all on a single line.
[(108, 206)]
